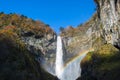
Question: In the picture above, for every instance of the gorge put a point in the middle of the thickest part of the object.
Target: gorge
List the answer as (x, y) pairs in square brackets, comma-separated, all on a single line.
[(31, 50)]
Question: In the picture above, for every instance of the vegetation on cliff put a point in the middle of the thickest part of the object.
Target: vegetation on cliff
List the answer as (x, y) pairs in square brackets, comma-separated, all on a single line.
[(102, 64), (16, 62), (23, 24)]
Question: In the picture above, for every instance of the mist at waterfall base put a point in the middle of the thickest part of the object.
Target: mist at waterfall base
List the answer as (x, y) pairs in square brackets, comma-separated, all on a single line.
[(64, 71)]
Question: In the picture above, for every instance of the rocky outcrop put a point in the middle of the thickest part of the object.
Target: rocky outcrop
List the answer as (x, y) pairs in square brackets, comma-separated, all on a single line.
[(102, 29), (109, 13), (80, 38), (96, 65), (73, 46), (44, 47)]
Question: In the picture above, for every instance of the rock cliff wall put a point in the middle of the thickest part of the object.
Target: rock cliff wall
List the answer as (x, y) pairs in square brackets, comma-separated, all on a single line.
[(44, 48), (103, 63), (104, 24), (109, 17), (102, 30)]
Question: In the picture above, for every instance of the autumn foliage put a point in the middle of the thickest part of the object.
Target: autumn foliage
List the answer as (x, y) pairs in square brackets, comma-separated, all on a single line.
[(19, 23), (13, 26)]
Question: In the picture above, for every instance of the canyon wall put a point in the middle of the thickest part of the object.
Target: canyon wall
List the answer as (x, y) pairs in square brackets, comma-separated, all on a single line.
[(103, 63), (44, 48), (108, 14), (102, 28), (27, 48), (102, 33)]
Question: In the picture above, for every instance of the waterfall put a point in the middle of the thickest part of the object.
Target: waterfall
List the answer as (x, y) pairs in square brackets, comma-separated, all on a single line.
[(59, 58), (70, 70)]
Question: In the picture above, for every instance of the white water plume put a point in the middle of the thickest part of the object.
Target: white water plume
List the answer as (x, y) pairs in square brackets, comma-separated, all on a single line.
[(59, 58)]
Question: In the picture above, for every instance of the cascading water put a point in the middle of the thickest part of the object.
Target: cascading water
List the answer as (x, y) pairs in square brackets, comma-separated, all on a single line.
[(59, 58), (70, 71)]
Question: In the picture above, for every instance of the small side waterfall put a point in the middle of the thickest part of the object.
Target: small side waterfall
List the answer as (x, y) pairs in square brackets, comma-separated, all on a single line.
[(59, 58)]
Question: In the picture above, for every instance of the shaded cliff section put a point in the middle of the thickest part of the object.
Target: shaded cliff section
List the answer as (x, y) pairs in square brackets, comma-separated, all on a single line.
[(23, 48), (102, 64)]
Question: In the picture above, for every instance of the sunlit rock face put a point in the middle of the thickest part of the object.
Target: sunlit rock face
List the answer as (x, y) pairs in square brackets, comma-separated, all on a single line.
[(72, 46), (106, 26), (109, 15)]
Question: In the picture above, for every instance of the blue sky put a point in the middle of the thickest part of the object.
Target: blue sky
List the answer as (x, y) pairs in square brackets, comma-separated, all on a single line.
[(56, 13)]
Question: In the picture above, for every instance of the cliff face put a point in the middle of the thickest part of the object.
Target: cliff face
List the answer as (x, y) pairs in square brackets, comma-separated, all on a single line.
[(74, 45), (25, 46), (109, 15), (103, 63), (102, 33), (44, 47), (102, 28)]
